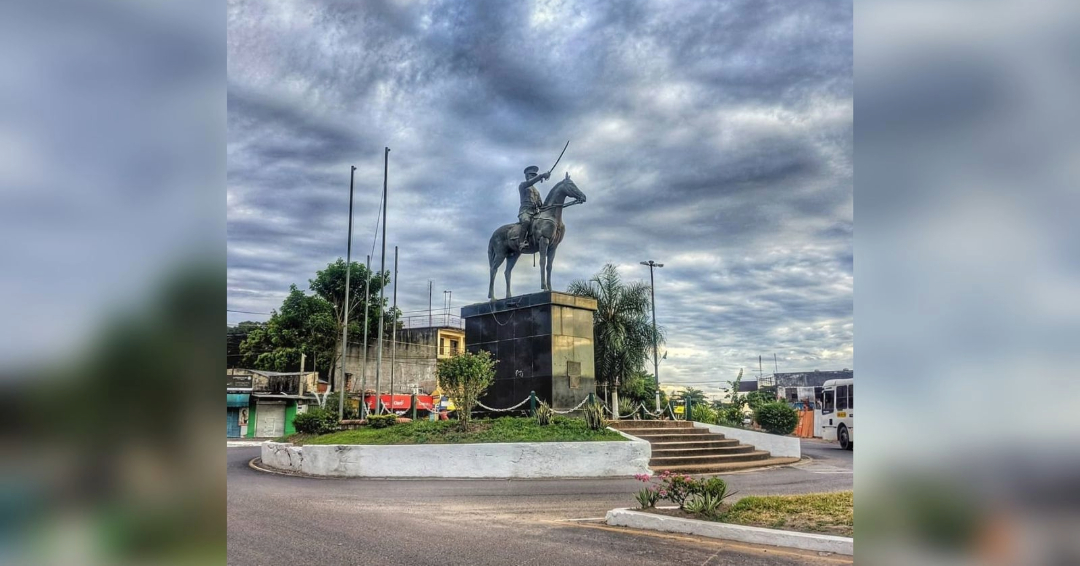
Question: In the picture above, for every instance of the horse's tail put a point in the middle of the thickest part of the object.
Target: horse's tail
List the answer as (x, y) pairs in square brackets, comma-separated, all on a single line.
[(491, 248)]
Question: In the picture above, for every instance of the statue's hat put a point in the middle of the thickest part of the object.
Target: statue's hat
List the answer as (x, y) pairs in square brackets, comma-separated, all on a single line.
[(532, 169)]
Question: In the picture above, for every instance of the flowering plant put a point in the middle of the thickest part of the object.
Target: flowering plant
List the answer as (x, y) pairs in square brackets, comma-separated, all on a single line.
[(700, 496)]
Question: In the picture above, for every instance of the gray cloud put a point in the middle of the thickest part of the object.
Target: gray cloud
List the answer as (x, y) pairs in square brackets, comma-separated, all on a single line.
[(713, 138)]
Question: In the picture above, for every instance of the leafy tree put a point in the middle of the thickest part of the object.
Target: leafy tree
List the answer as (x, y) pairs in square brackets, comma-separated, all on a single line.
[(234, 336), (304, 323), (760, 397), (329, 284), (640, 387), (696, 396), (464, 378), (622, 329), (312, 323)]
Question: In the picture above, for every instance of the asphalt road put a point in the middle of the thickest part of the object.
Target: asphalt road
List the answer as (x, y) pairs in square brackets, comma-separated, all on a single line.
[(286, 520)]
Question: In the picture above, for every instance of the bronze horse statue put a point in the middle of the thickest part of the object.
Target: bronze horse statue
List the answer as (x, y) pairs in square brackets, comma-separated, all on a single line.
[(545, 233)]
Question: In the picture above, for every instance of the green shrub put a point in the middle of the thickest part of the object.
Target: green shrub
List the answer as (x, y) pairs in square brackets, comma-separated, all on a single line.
[(594, 415), (316, 421), (465, 378), (544, 414), (349, 412), (382, 421), (777, 417), (703, 414), (626, 407), (730, 416)]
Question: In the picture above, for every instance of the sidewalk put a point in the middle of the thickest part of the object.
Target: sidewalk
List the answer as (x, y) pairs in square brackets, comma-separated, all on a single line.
[(234, 442)]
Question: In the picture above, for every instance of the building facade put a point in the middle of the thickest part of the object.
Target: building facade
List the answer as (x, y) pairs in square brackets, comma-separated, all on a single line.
[(263, 404)]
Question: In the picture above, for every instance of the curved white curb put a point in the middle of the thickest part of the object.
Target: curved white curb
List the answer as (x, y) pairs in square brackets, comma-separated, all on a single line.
[(740, 533), (495, 460)]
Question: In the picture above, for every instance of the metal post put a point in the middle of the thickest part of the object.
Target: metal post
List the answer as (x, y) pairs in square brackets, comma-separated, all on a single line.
[(367, 305), (345, 307), (652, 293), (393, 337), (412, 401), (429, 304), (382, 268)]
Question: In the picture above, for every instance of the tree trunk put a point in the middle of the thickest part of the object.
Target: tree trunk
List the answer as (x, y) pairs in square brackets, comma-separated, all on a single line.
[(615, 401)]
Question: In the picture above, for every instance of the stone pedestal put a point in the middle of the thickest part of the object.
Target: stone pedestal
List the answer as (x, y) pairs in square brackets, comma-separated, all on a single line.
[(543, 343)]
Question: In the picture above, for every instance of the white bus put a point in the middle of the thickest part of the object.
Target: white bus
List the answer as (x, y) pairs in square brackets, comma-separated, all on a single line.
[(837, 411)]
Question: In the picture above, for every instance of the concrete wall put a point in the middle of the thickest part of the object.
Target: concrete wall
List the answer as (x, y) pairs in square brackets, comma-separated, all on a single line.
[(510, 460), (417, 349), (779, 446)]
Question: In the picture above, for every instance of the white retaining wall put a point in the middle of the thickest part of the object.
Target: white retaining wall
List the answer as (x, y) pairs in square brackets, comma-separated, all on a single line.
[(778, 446), (509, 460)]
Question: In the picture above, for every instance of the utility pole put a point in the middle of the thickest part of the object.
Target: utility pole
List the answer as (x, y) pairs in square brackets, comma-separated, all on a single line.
[(429, 304), (367, 307), (393, 337), (345, 307), (656, 360), (446, 309), (382, 268)]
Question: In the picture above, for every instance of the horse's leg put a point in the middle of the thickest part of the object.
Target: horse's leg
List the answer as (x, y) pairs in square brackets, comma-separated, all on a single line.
[(511, 259), (542, 244), (496, 260), (550, 260)]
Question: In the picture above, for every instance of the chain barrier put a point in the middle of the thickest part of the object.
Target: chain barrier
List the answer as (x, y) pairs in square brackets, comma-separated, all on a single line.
[(657, 414), (479, 404), (579, 405)]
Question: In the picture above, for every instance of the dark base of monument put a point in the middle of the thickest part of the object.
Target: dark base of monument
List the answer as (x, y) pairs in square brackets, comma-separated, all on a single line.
[(543, 342)]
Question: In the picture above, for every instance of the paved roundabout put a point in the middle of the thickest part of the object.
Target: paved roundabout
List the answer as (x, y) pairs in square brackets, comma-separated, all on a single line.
[(277, 519)]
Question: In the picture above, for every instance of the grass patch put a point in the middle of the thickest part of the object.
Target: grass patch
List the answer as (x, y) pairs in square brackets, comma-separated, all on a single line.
[(505, 429), (827, 513)]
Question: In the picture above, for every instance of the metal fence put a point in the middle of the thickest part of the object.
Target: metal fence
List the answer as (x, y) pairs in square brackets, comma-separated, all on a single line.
[(434, 319)]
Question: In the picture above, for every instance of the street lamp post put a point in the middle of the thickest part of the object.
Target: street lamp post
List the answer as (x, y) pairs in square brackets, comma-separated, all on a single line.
[(656, 360), (345, 307)]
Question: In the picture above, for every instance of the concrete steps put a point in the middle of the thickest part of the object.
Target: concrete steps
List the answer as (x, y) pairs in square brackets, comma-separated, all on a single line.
[(729, 467), (678, 446)]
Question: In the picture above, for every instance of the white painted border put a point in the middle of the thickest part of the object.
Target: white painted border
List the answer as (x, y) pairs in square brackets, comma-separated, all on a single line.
[(494, 460), (778, 446), (727, 531)]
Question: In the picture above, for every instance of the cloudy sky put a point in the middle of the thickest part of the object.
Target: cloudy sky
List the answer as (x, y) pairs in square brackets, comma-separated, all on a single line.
[(713, 137)]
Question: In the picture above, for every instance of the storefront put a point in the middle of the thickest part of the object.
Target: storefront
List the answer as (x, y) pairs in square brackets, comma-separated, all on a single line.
[(237, 405)]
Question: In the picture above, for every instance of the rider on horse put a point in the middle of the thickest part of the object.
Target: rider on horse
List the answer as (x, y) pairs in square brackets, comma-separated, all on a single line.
[(530, 202)]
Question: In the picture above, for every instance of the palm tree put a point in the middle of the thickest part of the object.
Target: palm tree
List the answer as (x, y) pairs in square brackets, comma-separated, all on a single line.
[(622, 331)]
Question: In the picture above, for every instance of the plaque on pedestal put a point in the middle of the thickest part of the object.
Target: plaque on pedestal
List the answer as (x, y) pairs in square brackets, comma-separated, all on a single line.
[(543, 342)]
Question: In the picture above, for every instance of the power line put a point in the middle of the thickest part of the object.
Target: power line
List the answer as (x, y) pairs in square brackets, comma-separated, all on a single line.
[(247, 312)]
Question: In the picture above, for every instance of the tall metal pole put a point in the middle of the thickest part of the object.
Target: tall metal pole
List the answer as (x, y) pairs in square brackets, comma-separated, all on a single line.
[(652, 292), (429, 304), (393, 338), (449, 305), (367, 305), (345, 307), (382, 268)]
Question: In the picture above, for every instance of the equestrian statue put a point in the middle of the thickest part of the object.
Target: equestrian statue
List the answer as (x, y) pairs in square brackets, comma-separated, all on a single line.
[(539, 227)]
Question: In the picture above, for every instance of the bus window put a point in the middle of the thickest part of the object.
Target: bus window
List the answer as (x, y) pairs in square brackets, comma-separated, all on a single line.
[(841, 397), (851, 396), (828, 404)]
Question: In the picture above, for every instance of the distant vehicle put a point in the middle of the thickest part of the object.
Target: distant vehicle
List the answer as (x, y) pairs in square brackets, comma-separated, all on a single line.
[(837, 408)]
